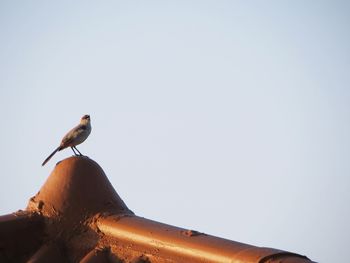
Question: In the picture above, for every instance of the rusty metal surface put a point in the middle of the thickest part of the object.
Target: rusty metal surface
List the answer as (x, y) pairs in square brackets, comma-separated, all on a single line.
[(161, 241)]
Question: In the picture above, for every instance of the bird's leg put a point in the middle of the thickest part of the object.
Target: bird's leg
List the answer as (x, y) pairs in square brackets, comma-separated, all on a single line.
[(74, 151), (77, 150)]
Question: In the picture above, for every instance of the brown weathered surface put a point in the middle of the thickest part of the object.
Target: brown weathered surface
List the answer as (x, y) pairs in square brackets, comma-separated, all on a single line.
[(161, 241), (20, 234), (76, 189), (72, 195), (78, 217), (48, 252)]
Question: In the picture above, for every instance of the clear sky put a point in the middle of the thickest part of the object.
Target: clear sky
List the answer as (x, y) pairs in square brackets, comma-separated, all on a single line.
[(227, 117)]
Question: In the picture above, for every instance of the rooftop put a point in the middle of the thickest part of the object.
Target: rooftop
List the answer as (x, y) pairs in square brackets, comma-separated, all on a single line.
[(77, 216)]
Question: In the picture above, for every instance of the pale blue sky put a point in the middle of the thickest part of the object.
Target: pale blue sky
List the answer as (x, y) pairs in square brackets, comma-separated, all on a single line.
[(228, 117)]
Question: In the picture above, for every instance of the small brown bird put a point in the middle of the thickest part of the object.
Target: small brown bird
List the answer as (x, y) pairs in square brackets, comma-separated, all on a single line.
[(74, 137)]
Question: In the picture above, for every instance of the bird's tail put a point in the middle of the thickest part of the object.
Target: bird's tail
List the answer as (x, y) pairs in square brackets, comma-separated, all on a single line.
[(50, 156)]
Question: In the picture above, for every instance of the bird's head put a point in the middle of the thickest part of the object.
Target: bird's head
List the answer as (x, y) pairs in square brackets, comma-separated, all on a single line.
[(85, 119)]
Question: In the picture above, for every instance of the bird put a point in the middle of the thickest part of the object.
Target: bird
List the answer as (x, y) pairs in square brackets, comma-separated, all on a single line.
[(74, 137)]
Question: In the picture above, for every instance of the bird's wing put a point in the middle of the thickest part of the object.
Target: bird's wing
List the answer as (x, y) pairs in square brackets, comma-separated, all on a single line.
[(72, 135)]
